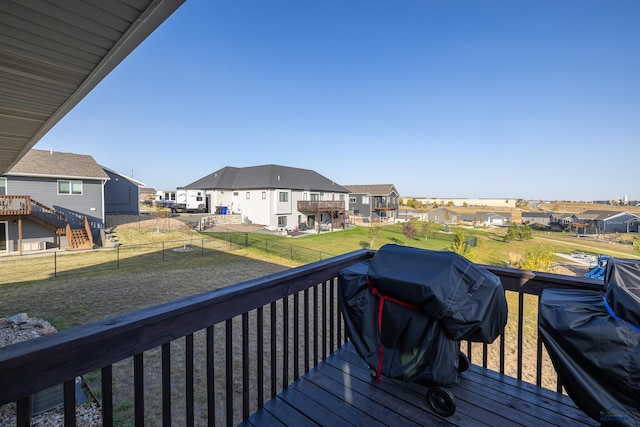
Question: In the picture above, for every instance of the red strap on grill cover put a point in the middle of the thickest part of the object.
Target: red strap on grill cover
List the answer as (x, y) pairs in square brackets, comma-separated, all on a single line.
[(382, 298)]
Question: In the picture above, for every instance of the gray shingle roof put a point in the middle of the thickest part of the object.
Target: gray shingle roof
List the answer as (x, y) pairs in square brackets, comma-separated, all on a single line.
[(372, 189), (266, 176), (58, 165)]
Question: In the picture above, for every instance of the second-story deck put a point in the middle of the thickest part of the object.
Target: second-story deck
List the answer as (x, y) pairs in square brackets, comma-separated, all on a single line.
[(321, 206), (273, 351)]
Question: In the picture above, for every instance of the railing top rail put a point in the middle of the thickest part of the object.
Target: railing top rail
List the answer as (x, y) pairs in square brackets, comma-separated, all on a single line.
[(534, 282), (55, 358)]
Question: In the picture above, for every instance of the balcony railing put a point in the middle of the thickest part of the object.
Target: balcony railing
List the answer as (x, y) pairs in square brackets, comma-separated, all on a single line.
[(15, 205), (320, 206), (237, 347)]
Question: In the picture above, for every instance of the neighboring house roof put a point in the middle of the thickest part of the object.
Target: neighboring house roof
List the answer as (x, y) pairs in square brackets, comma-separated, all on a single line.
[(599, 215), (58, 165), (374, 190), (505, 215), (484, 216), (128, 178), (537, 215), (443, 210), (266, 176)]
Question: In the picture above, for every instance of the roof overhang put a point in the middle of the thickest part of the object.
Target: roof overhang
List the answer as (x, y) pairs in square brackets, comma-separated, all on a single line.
[(53, 56)]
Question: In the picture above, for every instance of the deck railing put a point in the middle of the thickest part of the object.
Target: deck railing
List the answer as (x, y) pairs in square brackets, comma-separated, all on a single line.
[(220, 355), (15, 205), (329, 205)]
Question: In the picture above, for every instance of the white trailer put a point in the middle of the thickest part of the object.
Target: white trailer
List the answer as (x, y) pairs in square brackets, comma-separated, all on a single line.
[(192, 201)]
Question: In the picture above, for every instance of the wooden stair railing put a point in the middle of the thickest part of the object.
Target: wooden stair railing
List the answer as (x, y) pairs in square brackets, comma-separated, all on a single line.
[(76, 238), (48, 217)]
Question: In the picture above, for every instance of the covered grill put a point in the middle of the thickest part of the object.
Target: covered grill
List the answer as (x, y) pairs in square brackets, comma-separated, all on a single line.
[(593, 340), (407, 309)]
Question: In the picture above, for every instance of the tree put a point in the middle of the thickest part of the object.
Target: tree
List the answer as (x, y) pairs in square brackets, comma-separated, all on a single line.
[(512, 233), (538, 259), (374, 232), (636, 245), (160, 213), (459, 245), (425, 228), (518, 232), (409, 231), (525, 232)]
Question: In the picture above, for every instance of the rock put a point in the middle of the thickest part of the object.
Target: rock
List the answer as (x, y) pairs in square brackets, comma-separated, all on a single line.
[(19, 318)]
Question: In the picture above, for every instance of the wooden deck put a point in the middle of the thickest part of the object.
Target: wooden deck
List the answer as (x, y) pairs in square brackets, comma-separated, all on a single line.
[(341, 392)]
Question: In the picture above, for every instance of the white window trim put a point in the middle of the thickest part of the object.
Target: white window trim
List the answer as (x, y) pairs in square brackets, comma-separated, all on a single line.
[(71, 181)]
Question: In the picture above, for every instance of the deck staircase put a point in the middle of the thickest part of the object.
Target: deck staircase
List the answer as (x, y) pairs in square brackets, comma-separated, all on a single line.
[(35, 211)]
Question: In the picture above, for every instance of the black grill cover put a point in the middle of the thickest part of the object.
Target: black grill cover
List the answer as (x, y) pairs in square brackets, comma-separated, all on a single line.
[(415, 345), (596, 355), (622, 279), (467, 299)]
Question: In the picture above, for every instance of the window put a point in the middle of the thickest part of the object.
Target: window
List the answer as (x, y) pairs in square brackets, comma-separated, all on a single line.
[(282, 221), (352, 199), (235, 193), (283, 196), (3, 186), (365, 200), (341, 197), (248, 195), (264, 195), (69, 187)]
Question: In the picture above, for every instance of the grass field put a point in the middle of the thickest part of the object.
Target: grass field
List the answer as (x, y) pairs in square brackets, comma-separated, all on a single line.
[(94, 284)]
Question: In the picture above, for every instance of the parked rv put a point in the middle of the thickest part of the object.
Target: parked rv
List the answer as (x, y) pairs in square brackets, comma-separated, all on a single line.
[(191, 201)]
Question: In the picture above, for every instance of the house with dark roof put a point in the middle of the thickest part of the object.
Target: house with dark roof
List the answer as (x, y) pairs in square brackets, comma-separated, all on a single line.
[(51, 199), (377, 202), (276, 196), (442, 216), (487, 218), (603, 221), (121, 194), (540, 219)]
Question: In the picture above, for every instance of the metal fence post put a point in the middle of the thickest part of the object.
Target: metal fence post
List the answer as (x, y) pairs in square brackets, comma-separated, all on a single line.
[(202, 247), (118, 256), (163, 251), (55, 264)]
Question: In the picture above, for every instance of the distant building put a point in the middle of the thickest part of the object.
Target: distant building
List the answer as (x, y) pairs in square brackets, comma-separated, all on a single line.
[(433, 201), (378, 202), (277, 196)]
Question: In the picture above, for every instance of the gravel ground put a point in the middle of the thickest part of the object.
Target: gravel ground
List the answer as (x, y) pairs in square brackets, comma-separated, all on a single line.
[(21, 328)]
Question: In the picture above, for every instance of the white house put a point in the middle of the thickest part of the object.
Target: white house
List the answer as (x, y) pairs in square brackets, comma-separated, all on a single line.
[(276, 196)]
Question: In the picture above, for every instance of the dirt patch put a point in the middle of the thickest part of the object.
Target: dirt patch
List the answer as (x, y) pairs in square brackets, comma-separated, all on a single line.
[(145, 220)]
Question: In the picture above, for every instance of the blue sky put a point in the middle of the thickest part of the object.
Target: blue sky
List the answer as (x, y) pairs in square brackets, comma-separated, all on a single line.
[(527, 99)]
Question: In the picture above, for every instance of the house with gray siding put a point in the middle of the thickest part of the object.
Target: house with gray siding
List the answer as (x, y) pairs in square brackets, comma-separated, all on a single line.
[(541, 219), (442, 216), (51, 199), (377, 202), (603, 221), (278, 197), (121, 194)]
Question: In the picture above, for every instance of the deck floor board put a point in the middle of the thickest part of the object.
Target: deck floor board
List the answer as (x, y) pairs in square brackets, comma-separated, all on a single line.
[(341, 392)]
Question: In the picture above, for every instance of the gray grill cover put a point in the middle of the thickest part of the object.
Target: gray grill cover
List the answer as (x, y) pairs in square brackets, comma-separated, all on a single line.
[(465, 298), (622, 279), (596, 355), (453, 298)]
